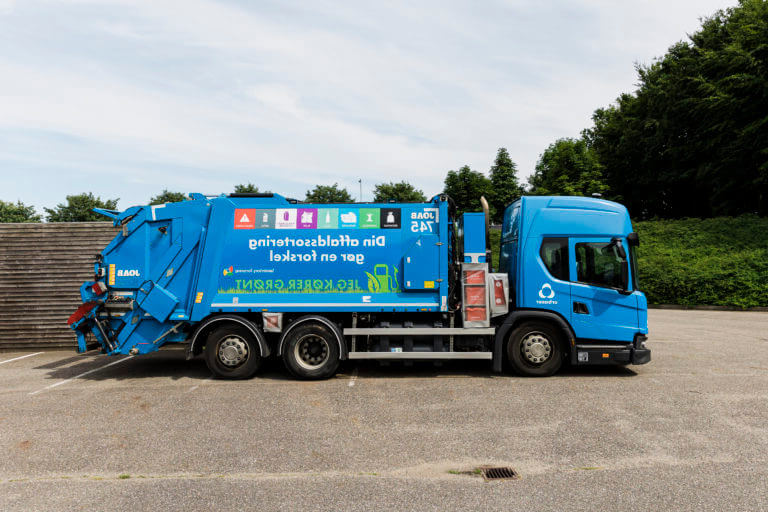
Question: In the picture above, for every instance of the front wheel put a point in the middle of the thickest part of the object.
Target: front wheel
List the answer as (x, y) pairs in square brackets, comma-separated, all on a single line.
[(535, 349), (311, 351), (232, 352)]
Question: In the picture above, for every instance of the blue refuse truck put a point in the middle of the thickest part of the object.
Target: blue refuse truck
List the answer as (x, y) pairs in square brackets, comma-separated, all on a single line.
[(245, 277)]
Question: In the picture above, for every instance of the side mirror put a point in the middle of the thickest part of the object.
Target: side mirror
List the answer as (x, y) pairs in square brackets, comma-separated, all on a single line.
[(616, 242), (633, 239)]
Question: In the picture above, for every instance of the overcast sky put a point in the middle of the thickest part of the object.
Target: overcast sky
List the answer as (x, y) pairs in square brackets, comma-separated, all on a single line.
[(126, 98)]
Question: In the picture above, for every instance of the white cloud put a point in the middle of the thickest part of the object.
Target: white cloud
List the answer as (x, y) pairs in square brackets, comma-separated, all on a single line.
[(204, 93)]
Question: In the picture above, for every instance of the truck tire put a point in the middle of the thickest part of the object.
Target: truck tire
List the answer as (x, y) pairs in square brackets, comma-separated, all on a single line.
[(232, 352), (535, 349), (311, 351)]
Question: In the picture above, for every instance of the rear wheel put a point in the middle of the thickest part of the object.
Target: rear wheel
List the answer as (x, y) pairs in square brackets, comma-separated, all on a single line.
[(535, 349), (232, 352), (311, 351)]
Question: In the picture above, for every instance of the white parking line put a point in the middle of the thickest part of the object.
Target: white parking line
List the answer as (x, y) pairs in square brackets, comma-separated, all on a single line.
[(21, 357), (198, 385), (353, 379), (78, 376)]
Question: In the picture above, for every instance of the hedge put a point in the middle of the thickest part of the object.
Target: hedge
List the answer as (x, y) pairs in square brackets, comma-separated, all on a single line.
[(719, 262), (694, 262)]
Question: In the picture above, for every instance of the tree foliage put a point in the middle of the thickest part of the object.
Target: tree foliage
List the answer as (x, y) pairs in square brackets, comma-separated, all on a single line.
[(505, 186), (693, 139), (79, 208), (466, 186), (18, 212), (167, 196), (402, 192), (568, 167), (328, 194), (248, 188)]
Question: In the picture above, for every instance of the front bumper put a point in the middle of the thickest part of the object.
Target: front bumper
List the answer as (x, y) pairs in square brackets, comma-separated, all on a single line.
[(612, 353)]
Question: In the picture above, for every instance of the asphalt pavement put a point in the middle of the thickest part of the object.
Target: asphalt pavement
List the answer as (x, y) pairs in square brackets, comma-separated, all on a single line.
[(688, 431)]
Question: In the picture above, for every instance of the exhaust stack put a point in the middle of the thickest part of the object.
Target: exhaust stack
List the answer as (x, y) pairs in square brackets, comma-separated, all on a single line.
[(487, 213)]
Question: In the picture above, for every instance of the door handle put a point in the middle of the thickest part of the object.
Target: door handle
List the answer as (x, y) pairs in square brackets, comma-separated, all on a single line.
[(580, 308)]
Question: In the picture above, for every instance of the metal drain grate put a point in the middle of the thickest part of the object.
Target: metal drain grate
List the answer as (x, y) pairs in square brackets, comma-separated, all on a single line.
[(498, 473)]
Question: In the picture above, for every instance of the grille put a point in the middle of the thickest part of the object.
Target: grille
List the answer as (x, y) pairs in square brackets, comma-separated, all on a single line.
[(498, 473)]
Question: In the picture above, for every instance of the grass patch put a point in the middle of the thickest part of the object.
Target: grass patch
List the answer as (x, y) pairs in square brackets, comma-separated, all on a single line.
[(471, 472)]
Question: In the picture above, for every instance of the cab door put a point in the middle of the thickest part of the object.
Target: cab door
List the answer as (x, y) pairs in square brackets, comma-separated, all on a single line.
[(600, 307), (546, 282)]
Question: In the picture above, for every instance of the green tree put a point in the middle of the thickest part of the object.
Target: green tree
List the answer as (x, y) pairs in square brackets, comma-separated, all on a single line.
[(18, 212), (79, 208), (465, 187), (402, 192), (166, 196), (505, 187), (248, 188), (692, 141), (328, 194), (568, 167)]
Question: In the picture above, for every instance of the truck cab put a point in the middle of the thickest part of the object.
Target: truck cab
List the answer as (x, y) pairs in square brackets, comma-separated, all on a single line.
[(571, 262)]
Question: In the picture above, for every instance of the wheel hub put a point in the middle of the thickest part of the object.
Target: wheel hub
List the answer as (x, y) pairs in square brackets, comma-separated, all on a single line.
[(311, 351), (536, 348), (233, 351)]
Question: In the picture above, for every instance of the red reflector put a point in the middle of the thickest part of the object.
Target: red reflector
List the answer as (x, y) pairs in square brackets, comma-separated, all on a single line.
[(498, 292), (474, 276), (475, 296), (475, 314), (81, 312)]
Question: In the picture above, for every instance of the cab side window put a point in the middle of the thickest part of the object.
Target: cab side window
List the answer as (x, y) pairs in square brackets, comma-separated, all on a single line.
[(599, 264), (554, 254), (511, 224)]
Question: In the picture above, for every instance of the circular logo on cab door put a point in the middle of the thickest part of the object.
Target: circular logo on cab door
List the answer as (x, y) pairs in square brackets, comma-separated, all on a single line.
[(546, 291)]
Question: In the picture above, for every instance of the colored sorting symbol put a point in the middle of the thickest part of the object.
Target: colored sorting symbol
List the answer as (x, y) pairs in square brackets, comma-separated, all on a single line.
[(245, 218)]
